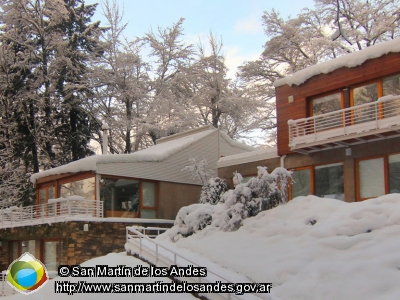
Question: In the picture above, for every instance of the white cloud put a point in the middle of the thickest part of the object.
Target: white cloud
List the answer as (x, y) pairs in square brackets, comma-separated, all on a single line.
[(250, 25), (234, 59)]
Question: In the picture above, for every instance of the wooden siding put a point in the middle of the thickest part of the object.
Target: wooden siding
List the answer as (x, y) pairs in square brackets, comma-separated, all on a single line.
[(226, 149), (169, 170), (337, 80)]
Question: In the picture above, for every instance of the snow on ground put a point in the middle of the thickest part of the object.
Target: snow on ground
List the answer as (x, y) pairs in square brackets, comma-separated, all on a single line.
[(310, 248), (112, 259), (351, 251)]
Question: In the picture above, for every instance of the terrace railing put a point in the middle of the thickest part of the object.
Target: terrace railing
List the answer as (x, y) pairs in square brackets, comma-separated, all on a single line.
[(361, 120), (50, 212), (140, 242)]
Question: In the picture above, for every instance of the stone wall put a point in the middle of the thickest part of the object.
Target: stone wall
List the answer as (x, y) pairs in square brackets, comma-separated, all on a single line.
[(78, 245)]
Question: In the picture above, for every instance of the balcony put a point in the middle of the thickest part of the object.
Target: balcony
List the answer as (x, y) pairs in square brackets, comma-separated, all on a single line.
[(58, 211), (350, 126)]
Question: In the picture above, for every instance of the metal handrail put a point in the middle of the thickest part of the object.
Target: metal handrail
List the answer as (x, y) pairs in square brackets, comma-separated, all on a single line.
[(49, 212), (159, 257), (364, 117)]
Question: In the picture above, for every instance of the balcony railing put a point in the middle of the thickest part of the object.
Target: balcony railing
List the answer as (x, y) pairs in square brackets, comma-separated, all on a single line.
[(50, 212), (372, 118)]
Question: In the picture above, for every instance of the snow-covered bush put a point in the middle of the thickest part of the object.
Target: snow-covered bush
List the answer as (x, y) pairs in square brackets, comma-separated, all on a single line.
[(263, 192), (191, 219), (211, 192), (237, 178), (270, 189)]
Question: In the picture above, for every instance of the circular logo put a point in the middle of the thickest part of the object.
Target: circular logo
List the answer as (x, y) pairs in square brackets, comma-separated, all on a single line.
[(27, 274)]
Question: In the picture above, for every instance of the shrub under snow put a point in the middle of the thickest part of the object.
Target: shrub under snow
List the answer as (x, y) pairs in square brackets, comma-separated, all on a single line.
[(211, 192), (247, 199)]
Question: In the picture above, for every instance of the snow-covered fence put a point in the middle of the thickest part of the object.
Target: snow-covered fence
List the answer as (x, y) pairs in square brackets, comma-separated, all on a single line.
[(380, 116), (55, 211), (160, 255)]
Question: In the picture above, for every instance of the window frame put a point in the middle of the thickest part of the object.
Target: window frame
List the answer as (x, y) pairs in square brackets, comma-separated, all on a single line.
[(312, 178), (385, 170), (141, 206), (311, 99), (379, 91), (43, 241)]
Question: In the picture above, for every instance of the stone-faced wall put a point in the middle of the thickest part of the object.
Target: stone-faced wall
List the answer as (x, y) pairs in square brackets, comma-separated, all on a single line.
[(3, 255), (78, 245)]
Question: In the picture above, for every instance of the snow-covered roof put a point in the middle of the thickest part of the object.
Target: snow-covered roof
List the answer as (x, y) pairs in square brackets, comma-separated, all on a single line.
[(154, 153), (164, 149), (236, 144), (349, 60), (247, 157)]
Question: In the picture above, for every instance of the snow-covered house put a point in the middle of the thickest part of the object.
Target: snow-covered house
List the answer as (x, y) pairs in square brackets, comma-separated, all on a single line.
[(246, 164), (83, 207), (339, 125), (146, 184)]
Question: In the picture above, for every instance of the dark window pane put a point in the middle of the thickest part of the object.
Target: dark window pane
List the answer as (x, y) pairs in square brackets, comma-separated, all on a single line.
[(14, 251), (394, 173), (329, 181), (391, 86), (301, 183), (120, 196), (326, 104), (365, 94)]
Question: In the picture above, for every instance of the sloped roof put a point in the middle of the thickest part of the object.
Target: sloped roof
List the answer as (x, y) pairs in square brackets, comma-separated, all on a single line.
[(154, 153), (247, 157), (349, 60), (164, 149)]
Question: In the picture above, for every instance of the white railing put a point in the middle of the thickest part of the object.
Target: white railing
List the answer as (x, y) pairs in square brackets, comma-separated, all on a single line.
[(163, 256), (379, 116), (49, 212)]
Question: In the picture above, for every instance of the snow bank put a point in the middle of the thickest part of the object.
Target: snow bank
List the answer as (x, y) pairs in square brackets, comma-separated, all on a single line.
[(349, 60), (313, 248)]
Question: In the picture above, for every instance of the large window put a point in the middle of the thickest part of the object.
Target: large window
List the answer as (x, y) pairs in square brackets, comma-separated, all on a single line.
[(326, 104), (329, 181), (84, 188), (301, 182), (46, 193), (378, 176), (17, 248), (391, 85), (48, 251), (322, 181), (365, 94), (128, 198), (372, 181), (51, 254)]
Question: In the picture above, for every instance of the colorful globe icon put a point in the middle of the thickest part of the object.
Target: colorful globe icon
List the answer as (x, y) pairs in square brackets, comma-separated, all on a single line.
[(27, 274)]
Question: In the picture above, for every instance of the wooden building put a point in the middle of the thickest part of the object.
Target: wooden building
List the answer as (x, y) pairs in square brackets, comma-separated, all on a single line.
[(83, 207), (338, 126)]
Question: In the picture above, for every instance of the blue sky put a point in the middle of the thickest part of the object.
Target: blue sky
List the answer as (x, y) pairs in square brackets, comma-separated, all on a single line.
[(237, 22)]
